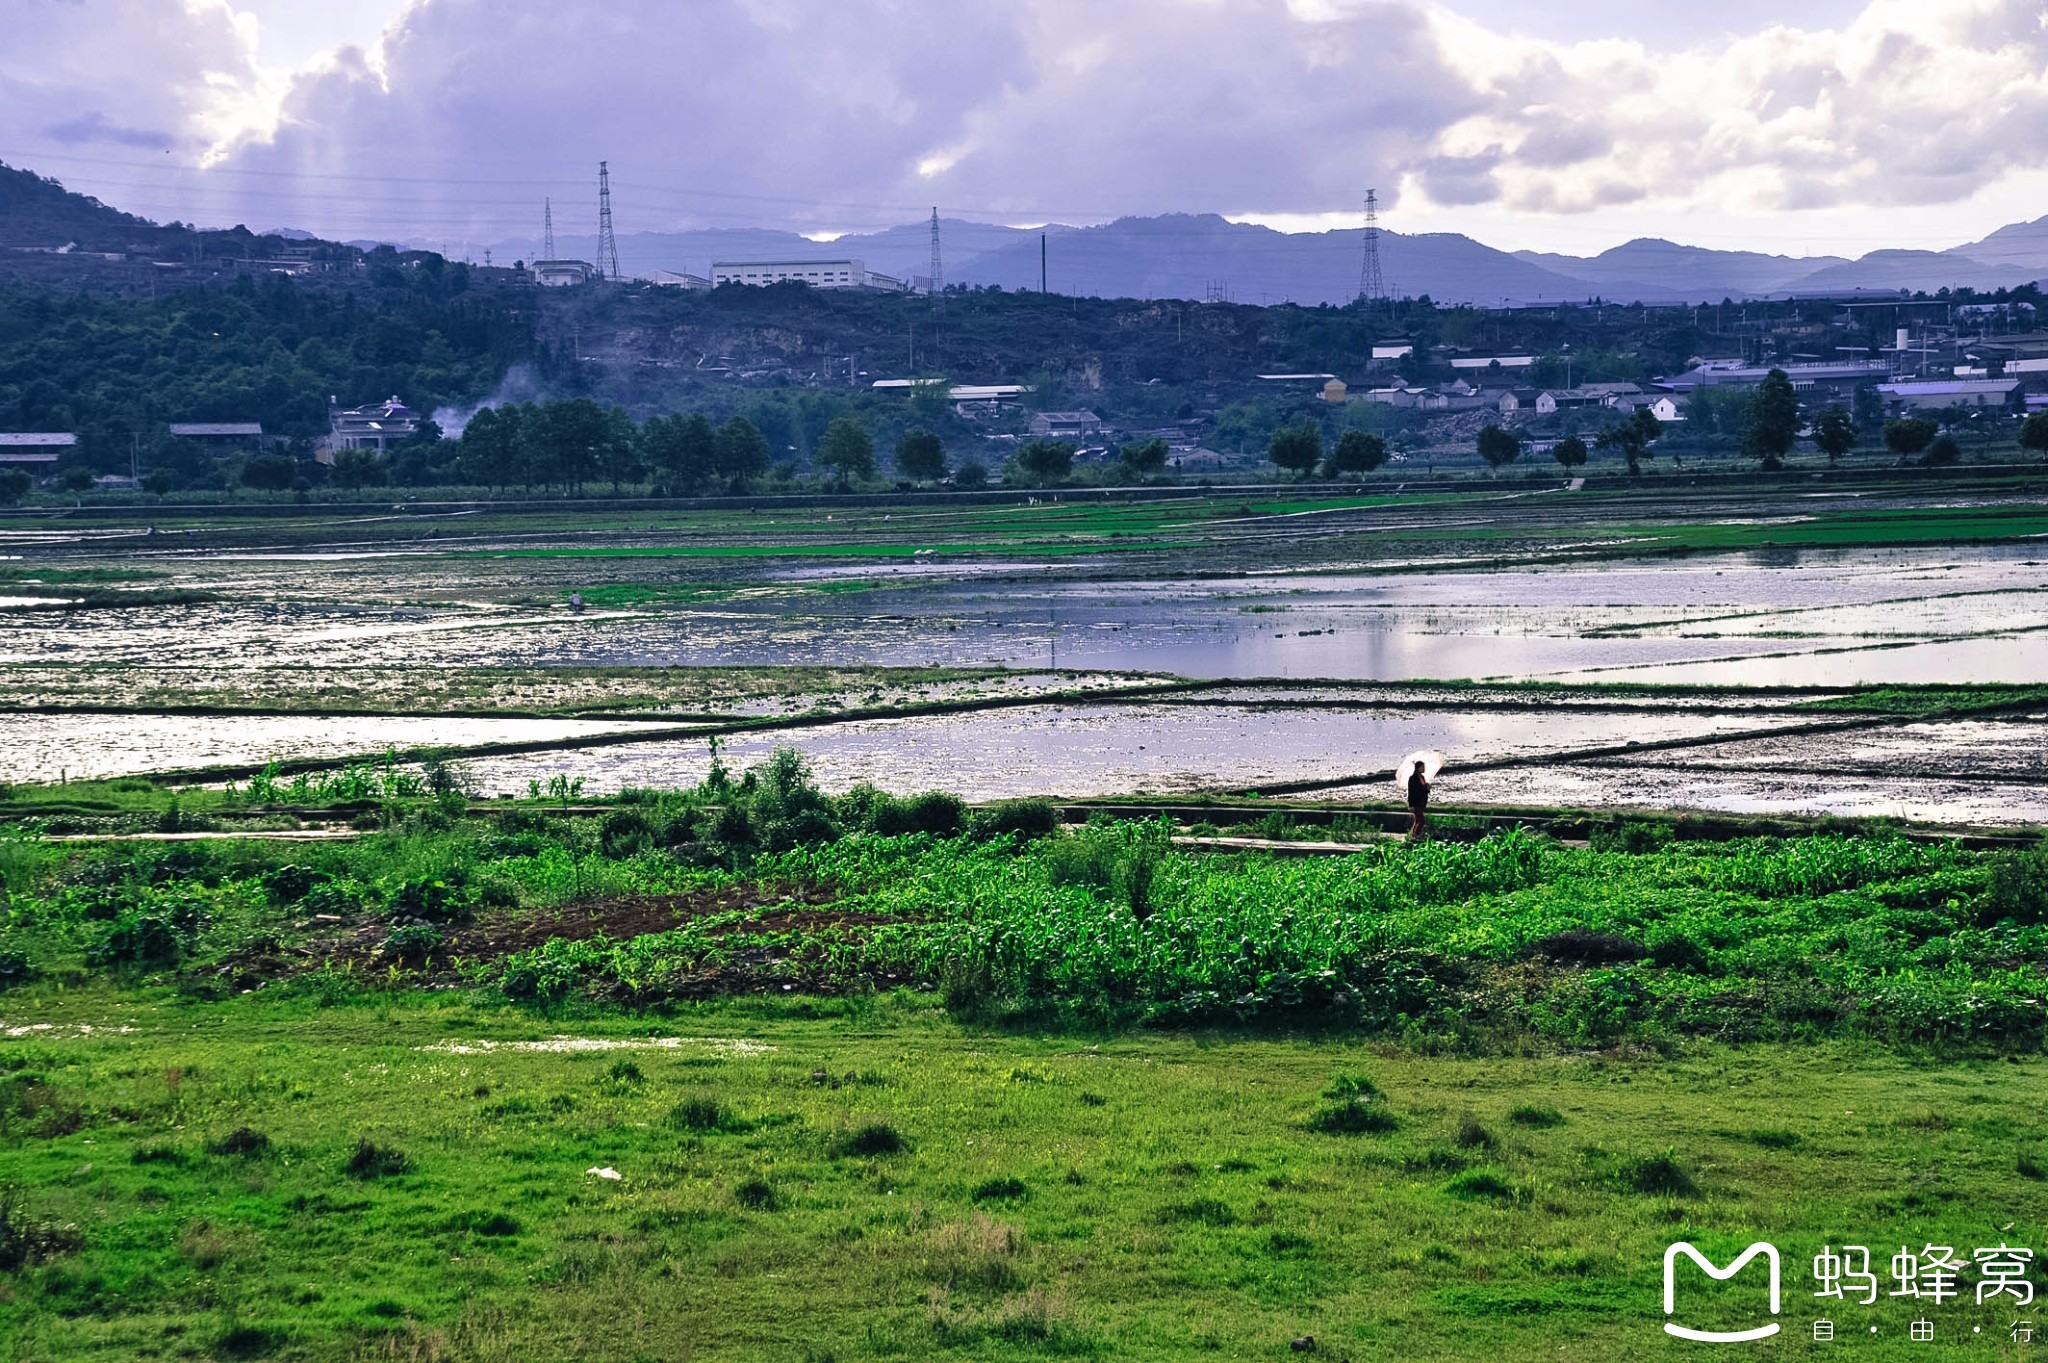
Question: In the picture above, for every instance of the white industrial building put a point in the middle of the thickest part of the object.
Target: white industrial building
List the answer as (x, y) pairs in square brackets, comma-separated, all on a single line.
[(562, 274), (819, 274)]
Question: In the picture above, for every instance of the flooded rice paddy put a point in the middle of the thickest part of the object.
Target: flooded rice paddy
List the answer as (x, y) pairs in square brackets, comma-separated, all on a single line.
[(1771, 618)]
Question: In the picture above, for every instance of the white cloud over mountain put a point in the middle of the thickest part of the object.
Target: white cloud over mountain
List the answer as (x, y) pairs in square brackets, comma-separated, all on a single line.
[(844, 113)]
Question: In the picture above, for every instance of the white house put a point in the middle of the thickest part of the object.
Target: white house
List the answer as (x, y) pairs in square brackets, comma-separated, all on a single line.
[(562, 274)]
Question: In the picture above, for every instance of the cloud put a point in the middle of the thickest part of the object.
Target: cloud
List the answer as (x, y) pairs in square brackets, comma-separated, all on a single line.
[(133, 73), (863, 112)]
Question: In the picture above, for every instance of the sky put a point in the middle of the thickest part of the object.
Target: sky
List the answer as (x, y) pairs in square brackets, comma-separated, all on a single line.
[(1823, 127)]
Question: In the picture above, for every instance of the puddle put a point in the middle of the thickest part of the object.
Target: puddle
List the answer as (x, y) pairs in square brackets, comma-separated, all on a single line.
[(86, 747)]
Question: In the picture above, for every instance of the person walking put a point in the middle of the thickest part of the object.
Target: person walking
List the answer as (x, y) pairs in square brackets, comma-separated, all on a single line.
[(1414, 776)]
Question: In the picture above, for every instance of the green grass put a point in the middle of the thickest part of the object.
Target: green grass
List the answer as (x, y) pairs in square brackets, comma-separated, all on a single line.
[(1448, 1100), (1191, 1209)]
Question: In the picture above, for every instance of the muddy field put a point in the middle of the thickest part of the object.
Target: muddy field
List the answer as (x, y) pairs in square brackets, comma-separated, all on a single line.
[(415, 633)]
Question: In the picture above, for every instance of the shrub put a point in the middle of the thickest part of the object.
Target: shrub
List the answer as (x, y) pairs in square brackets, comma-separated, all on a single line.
[(339, 897), (1026, 819), (1472, 1135), (437, 899), (756, 1195), (1531, 1114), (1656, 1176), (625, 833), (2018, 889), (411, 943), (999, 1190), (698, 1114), (1353, 1086), (139, 939), (14, 968), (934, 812), (876, 1138), (1481, 1183), (376, 1161), (290, 883), (243, 1142), (27, 1239), (1205, 1211), (1352, 1117)]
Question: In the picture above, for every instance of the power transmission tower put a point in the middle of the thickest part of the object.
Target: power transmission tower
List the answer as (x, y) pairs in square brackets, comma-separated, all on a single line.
[(607, 244), (1372, 287), (938, 274), (547, 231)]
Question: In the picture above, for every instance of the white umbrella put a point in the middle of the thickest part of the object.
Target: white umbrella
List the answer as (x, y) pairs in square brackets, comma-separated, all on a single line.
[(1429, 759)]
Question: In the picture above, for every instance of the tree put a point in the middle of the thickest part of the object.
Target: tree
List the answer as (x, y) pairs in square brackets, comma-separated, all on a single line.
[(1356, 452), (1772, 422), (1045, 462), (1942, 452), (2034, 433), (1632, 436), (1570, 452), (618, 453), (921, 456), (358, 468), (1297, 449), (270, 472), (1834, 432), (848, 450), (1906, 436), (1141, 461), (681, 450), (970, 475), (1497, 447), (488, 451), (14, 485), (742, 451)]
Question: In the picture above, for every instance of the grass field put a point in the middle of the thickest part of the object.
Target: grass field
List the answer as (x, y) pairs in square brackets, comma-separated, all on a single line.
[(851, 1179)]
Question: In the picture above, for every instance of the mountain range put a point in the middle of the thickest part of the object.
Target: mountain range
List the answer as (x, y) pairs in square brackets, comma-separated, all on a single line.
[(1199, 256), (1195, 256)]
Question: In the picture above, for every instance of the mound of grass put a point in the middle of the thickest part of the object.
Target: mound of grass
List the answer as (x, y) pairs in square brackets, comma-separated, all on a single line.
[(999, 1190), (1353, 1117), (376, 1161), (1535, 1115), (876, 1138), (1481, 1183), (1656, 1176), (241, 1142)]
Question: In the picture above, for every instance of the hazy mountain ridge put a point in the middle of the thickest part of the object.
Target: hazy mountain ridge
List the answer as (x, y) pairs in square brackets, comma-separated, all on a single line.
[(1189, 256)]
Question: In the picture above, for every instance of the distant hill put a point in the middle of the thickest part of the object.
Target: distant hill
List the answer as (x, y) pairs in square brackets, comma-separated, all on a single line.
[(1173, 256), (1649, 268), (39, 212)]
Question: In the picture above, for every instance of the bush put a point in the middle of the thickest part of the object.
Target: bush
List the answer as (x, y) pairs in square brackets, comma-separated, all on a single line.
[(290, 883), (243, 1142), (14, 968), (700, 1114), (934, 812), (437, 899), (625, 833), (756, 1195), (337, 898), (1656, 1176), (1531, 1114), (1353, 1118), (876, 1138), (999, 1190), (1025, 820), (2018, 889), (139, 939), (376, 1161), (27, 1239), (411, 943), (1481, 1183)]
